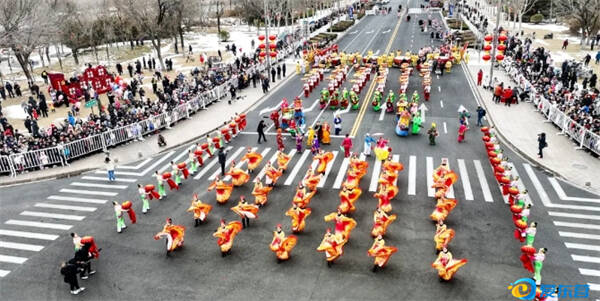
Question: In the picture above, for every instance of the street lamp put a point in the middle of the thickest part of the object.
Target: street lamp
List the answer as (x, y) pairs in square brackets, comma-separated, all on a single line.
[(494, 39)]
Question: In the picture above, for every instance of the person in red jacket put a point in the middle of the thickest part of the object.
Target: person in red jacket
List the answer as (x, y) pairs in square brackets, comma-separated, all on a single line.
[(507, 96), (347, 145), (498, 92), (479, 77)]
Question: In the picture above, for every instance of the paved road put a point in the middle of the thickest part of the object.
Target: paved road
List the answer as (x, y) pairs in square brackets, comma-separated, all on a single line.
[(36, 218)]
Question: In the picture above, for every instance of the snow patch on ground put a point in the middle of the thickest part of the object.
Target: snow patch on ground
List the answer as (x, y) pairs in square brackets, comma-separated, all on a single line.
[(551, 27), (14, 112)]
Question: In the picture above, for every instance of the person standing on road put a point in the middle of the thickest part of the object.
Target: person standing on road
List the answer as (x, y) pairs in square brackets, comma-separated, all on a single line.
[(337, 124), (368, 144), (222, 160), (261, 131), (283, 69), (273, 73), (432, 132), (480, 114), (69, 271), (461, 132), (479, 77), (541, 144), (110, 168), (347, 145)]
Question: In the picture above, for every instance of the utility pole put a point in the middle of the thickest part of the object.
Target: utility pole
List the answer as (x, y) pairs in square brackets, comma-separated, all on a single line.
[(267, 24), (495, 42)]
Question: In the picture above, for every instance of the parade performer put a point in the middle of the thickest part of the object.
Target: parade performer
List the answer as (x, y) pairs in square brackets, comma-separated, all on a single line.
[(161, 185), (343, 224), (354, 100), (144, 195), (381, 149), (403, 124), (311, 180), (279, 139), (87, 242), (332, 245), (246, 211), (253, 159), (335, 100), (326, 133), (416, 123), (534, 262), (381, 252), (226, 139), (260, 193), (310, 137), (192, 162), (233, 127), (368, 144), (392, 166), (301, 198), (388, 178), (119, 210), (238, 176), (415, 97), (316, 146), (385, 195), (211, 146), (223, 190), (198, 153), (298, 108), (275, 118), (381, 220), (281, 245), (176, 173), (389, 101), (298, 216), (167, 177), (530, 234), (345, 98), (376, 103), (226, 234), (174, 235), (299, 142), (273, 174), (283, 160), (446, 265), (357, 165), (216, 140), (432, 133), (442, 236), (324, 98), (348, 195), (200, 210), (182, 169), (461, 132), (323, 160)]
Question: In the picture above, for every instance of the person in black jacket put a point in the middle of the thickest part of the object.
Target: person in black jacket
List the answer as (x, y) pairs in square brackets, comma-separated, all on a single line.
[(222, 160), (70, 273), (541, 144), (261, 130), (83, 260)]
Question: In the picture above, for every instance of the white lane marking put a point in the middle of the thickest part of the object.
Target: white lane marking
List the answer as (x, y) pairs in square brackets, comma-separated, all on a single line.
[(120, 173), (429, 165), (536, 184), (262, 172), (12, 259), (80, 200), (341, 174), (375, 175), (88, 192), (312, 125), (3, 273), (241, 164), (53, 215), (412, 175), (20, 246), (487, 194), (125, 180), (585, 258), (464, 177), (38, 224), (579, 235), (65, 207), (81, 184), (445, 128), (137, 166), (296, 168), (574, 215), (328, 170), (442, 103), (450, 192), (153, 166), (582, 246), (382, 114), (576, 225), (594, 287), (563, 196), (227, 162), (183, 153), (209, 165), (589, 272), (25, 234), (439, 89)]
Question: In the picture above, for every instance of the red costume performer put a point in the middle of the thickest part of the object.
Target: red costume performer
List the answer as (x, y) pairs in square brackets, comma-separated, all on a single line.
[(348, 195), (381, 221), (343, 224), (253, 159), (333, 246), (222, 189), (323, 160), (260, 193), (281, 245), (301, 198), (298, 216), (174, 235), (381, 252), (167, 176), (226, 234), (150, 192), (446, 265)]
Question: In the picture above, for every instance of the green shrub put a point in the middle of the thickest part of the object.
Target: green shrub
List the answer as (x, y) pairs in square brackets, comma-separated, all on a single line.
[(342, 25), (224, 35), (537, 18)]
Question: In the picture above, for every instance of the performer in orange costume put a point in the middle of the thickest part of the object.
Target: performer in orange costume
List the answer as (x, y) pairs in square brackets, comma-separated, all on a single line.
[(253, 159), (446, 265), (442, 236), (443, 207), (311, 180), (385, 194), (298, 216), (260, 193), (324, 159), (223, 190), (441, 171), (272, 174), (381, 252), (348, 195), (388, 178), (238, 176), (282, 160), (333, 246), (381, 221), (392, 166), (226, 234), (357, 165), (281, 245), (174, 235), (245, 211), (343, 224), (301, 198), (199, 209)]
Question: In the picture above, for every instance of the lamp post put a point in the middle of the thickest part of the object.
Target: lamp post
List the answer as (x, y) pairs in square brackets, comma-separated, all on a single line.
[(495, 42)]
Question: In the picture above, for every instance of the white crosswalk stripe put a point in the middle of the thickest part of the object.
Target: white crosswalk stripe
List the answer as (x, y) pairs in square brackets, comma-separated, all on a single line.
[(577, 225), (483, 184), (586, 258), (594, 287), (464, 178), (574, 215), (412, 175), (328, 170), (209, 165), (82, 184), (337, 184), (38, 224), (296, 168), (53, 215), (429, 175), (231, 158), (3, 273), (79, 200), (570, 245), (375, 175), (589, 272), (176, 159), (12, 259), (124, 180), (140, 165), (263, 170), (88, 192), (579, 235), (20, 246), (26, 234), (65, 207)]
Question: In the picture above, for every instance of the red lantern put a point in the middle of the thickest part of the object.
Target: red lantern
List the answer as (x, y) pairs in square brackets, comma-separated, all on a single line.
[(486, 57), (272, 46), (272, 37), (502, 38), (261, 37), (487, 47), (273, 54), (488, 38), (501, 47), (499, 57), (262, 46), (262, 54)]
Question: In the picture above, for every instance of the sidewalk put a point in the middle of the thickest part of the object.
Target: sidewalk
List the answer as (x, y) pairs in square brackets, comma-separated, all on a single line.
[(518, 125), (185, 131)]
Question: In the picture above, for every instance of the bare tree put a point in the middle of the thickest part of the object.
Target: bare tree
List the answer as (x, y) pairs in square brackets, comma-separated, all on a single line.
[(585, 14), (520, 8)]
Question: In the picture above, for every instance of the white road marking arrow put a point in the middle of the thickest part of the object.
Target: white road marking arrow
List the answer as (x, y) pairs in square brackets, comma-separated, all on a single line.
[(386, 31), (369, 32), (270, 109), (311, 107), (344, 111), (423, 108), (354, 32)]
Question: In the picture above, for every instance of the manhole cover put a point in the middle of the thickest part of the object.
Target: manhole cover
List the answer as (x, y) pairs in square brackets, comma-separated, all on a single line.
[(580, 166)]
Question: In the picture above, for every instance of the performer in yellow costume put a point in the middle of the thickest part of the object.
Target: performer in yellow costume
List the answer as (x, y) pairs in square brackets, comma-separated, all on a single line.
[(298, 216), (381, 252), (281, 245), (246, 211), (174, 235), (253, 159), (446, 265), (381, 221), (226, 234), (238, 176), (283, 160), (222, 189), (260, 193), (199, 209), (348, 195)]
